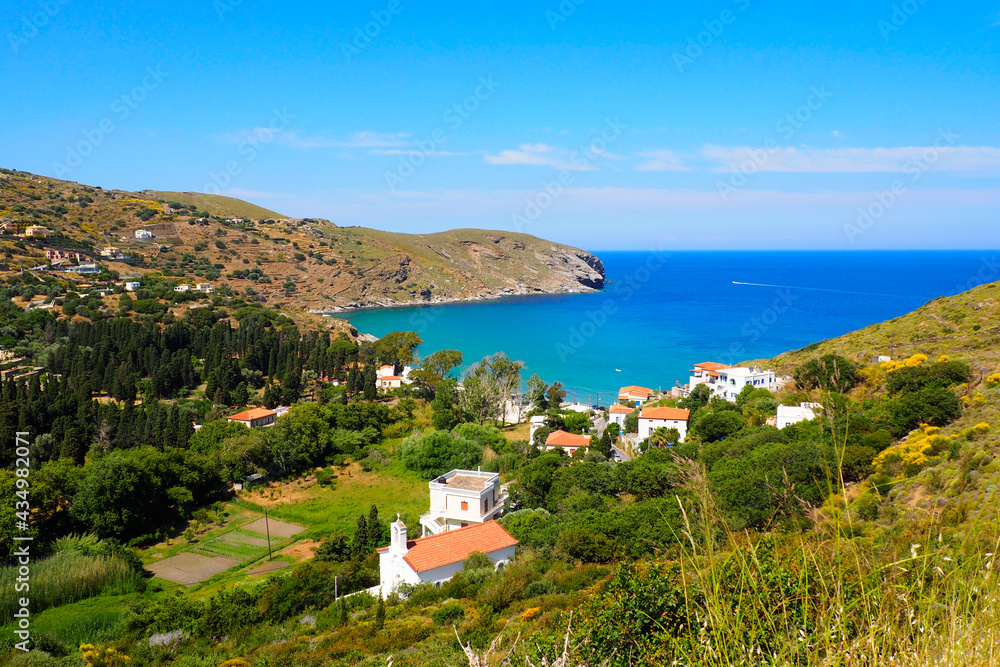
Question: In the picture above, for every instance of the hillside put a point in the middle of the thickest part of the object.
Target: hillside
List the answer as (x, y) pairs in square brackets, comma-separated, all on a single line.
[(304, 264), (966, 325), (214, 204)]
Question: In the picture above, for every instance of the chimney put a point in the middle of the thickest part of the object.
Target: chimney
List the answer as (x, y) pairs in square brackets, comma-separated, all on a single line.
[(397, 542)]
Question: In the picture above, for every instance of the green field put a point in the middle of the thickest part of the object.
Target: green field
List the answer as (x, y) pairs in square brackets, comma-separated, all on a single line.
[(324, 510), (241, 545)]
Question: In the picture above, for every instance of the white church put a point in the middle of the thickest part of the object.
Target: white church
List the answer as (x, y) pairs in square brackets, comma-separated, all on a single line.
[(464, 506)]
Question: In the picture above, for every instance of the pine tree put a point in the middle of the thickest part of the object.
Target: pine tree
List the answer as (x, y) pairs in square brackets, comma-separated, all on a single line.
[(374, 529), (343, 613), (370, 391)]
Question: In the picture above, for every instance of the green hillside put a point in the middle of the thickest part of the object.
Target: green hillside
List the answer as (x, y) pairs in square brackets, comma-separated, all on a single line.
[(215, 204), (967, 324)]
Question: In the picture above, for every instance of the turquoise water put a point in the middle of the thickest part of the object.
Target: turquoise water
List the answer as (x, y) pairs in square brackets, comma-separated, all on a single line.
[(661, 313)]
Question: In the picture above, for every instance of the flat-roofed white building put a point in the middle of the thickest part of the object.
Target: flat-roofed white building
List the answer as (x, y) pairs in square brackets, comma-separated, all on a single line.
[(732, 381), (462, 498), (793, 414)]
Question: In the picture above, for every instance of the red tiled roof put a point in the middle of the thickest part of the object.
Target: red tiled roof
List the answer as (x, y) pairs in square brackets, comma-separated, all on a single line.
[(389, 366), (391, 377), (665, 413), (454, 546), (633, 389), (251, 414), (619, 409), (711, 366), (564, 439)]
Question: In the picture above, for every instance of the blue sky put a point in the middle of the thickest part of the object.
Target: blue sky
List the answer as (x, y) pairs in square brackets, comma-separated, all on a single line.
[(733, 124)]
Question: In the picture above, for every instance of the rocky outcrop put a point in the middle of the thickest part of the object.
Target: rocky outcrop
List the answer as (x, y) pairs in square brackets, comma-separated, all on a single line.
[(470, 265)]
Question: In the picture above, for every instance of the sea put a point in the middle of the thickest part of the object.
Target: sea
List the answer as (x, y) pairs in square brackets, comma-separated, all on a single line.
[(660, 313)]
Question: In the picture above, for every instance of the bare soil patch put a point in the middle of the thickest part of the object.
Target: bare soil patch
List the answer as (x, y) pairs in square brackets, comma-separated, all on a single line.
[(301, 551), (276, 528), (190, 569)]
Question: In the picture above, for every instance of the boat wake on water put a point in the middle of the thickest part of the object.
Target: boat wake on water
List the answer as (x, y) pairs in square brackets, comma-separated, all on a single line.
[(823, 289)]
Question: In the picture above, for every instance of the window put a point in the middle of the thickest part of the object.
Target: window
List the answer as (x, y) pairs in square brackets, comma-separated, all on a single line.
[(465, 505), (464, 524)]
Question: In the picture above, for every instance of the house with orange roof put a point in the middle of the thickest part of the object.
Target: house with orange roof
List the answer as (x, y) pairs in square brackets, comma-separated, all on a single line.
[(254, 417), (706, 373), (617, 414), (385, 370), (435, 559), (387, 382), (569, 442), (636, 394), (653, 418)]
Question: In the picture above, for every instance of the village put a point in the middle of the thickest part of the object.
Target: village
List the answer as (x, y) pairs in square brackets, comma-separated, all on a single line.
[(464, 504)]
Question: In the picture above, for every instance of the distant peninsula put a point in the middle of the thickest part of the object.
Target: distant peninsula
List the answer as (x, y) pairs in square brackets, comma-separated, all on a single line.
[(307, 264)]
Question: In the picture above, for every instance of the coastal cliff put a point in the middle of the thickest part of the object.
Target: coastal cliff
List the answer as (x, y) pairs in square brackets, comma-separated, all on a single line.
[(305, 264)]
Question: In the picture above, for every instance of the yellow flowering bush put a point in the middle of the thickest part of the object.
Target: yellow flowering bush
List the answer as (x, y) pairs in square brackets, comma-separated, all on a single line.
[(96, 656), (993, 380), (916, 360), (976, 399), (872, 376), (235, 662), (530, 614), (890, 366), (913, 454), (943, 358)]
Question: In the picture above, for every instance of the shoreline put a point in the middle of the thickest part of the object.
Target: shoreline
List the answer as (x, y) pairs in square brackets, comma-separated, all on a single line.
[(333, 311)]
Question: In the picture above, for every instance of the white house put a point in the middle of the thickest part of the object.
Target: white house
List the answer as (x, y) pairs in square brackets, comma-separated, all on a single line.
[(206, 288), (569, 442), (636, 394), (617, 414), (387, 382), (132, 285), (706, 373), (182, 288), (385, 371), (651, 419), (437, 558), (462, 498), (143, 234), (537, 422), (732, 381), (790, 414)]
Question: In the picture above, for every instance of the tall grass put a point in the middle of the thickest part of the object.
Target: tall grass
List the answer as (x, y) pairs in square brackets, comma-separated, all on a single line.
[(814, 598), (66, 577)]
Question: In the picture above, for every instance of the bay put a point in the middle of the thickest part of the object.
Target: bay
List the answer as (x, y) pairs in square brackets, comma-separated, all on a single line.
[(663, 312)]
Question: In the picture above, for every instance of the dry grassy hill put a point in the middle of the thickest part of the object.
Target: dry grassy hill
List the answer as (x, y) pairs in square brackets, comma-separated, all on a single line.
[(305, 264), (965, 325)]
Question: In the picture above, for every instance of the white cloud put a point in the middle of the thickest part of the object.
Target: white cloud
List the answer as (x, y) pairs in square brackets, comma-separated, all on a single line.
[(369, 140), (661, 161), (541, 155)]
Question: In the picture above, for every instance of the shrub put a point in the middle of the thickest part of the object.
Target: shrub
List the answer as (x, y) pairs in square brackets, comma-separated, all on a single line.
[(449, 614)]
